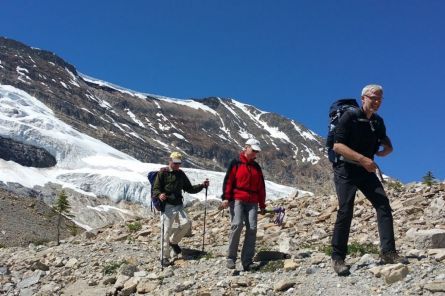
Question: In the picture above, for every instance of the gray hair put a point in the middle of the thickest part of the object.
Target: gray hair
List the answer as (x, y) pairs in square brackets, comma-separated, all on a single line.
[(372, 87)]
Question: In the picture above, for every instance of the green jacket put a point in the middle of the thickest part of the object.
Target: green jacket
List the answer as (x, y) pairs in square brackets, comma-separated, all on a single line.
[(173, 183)]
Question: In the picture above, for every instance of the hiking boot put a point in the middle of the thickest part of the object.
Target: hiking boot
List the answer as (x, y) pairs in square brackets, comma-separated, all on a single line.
[(165, 262), (340, 267), (230, 264), (251, 267), (392, 257), (176, 248)]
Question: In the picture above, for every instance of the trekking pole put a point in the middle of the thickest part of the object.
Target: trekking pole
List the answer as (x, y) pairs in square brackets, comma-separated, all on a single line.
[(379, 174), (205, 214), (162, 240)]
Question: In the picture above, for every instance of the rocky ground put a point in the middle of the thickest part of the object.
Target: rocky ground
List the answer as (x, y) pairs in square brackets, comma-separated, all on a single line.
[(122, 259)]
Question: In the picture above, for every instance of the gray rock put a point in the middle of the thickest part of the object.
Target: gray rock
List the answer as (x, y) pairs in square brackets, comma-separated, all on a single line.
[(127, 269), (31, 280), (146, 286), (72, 262), (109, 280), (27, 292), (283, 285), (4, 270), (438, 254), (435, 286), (260, 289), (120, 281), (39, 266), (130, 287), (394, 273), (429, 239), (366, 260)]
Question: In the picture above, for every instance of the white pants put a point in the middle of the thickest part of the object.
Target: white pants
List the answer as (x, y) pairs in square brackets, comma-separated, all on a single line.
[(174, 235)]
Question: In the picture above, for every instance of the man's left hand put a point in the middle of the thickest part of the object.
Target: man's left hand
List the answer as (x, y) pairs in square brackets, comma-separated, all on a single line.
[(206, 183), (262, 211)]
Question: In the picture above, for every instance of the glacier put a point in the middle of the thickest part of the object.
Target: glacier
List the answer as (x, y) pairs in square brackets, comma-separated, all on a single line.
[(85, 164)]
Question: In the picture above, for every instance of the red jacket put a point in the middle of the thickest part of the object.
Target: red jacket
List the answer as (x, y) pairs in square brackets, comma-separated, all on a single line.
[(244, 181)]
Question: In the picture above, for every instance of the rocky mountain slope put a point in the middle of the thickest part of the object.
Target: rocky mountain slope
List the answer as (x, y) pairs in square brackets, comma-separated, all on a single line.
[(89, 168), (208, 131), (25, 220), (123, 259)]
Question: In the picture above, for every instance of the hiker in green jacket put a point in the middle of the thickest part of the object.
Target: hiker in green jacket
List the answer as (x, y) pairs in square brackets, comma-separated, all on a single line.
[(168, 187)]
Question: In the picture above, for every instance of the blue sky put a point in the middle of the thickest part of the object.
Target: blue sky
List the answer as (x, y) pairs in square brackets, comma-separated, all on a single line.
[(289, 57)]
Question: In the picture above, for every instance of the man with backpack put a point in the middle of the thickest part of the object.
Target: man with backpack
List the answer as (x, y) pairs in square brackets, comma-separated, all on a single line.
[(168, 186), (244, 190), (359, 135)]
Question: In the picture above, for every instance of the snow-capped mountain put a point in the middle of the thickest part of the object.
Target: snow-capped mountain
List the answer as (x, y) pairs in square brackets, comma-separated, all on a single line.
[(210, 131), (84, 164)]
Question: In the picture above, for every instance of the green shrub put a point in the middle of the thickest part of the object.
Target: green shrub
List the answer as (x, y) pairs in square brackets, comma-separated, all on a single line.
[(111, 267), (133, 227)]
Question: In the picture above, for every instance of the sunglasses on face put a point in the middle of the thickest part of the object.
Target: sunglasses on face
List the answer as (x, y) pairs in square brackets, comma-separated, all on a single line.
[(374, 98)]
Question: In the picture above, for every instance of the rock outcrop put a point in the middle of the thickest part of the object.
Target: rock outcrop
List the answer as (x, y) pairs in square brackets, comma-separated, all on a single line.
[(26, 155)]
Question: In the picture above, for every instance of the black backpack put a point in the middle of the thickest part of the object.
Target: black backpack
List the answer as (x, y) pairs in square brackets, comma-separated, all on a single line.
[(337, 109)]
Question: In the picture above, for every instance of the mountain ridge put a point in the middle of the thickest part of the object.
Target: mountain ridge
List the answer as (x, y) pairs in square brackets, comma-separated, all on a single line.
[(209, 131)]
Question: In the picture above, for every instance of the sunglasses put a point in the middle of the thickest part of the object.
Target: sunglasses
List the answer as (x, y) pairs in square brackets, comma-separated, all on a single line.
[(374, 98)]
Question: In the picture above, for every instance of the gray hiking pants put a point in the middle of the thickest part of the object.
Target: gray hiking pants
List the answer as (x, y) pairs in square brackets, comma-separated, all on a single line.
[(242, 213), (172, 235)]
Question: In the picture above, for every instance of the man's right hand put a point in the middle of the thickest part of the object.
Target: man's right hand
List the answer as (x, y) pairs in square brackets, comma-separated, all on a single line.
[(368, 164), (225, 204), (162, 196)]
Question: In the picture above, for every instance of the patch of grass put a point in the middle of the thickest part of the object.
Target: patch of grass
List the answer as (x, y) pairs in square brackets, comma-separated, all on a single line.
[(131, 240), (362, 249), (209, 255), (308, 246), (73, 229), (327, 249), (133, 227), (272, 266), (354, 249), (40, 242), (112, 267)]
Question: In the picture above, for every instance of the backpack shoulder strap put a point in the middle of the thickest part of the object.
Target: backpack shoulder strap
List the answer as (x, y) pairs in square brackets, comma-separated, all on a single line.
[(235, 162), (161, 174), (378, 126)]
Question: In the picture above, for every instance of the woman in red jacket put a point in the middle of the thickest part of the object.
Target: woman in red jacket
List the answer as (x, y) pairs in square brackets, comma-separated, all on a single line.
[(244, 190)]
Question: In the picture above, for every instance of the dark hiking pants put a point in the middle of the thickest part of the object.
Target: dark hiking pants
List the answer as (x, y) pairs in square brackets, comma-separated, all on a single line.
[(371, 187)]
